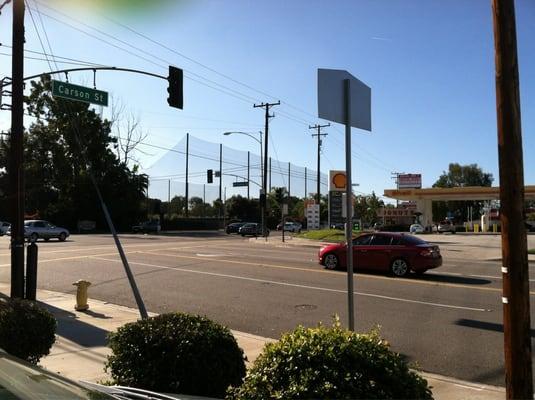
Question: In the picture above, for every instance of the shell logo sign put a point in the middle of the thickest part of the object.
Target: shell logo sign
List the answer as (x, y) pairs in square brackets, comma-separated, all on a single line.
[(337, 181)]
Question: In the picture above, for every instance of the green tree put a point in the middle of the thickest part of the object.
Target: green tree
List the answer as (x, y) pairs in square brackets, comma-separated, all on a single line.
[(366, 208), (460, 176), (66, 145)]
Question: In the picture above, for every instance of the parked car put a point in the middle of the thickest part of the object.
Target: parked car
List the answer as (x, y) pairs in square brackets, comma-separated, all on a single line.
[(339, 225), (446, 226), (252, 229), (416, 228), (397, 253), (4, 227), (234, 227), (147, 227), (39, 229), (292, 227)]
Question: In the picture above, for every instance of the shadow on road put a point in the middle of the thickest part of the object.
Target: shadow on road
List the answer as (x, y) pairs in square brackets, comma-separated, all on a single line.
[(488, 326), (435, 277)]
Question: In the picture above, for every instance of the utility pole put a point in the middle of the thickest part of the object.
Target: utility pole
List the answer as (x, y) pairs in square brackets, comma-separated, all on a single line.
[(169, 199), (16, 153), (266, 142), (305, 182), (187, 175), (515, 271), (395, 176), (220, 176), (204, 200), (319, 135), (270, 174), (248, 172), (289, 183)]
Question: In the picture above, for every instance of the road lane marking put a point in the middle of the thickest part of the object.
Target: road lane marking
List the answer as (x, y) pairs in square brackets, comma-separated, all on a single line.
[(125, 246), (322, 271), (364, 294)]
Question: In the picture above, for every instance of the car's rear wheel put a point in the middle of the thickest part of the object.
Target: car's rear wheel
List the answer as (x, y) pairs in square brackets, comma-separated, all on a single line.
[(33, 237), (331, 261), (399, 267), (62, 236), (47, 239)]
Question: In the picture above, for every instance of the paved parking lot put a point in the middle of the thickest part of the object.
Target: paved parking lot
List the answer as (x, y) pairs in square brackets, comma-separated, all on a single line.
[(449, 320)]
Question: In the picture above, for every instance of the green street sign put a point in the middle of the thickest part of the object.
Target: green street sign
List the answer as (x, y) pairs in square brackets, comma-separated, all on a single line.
[(237, 184), (79, 93)]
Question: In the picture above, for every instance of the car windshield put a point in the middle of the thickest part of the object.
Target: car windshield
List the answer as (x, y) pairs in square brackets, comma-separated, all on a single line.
[(23, 381)]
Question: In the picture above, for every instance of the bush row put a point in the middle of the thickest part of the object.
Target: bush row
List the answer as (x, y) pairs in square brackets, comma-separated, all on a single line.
[(188, 354)]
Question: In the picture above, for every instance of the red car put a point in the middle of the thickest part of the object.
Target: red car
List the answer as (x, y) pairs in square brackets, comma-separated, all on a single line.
[(397, 253)]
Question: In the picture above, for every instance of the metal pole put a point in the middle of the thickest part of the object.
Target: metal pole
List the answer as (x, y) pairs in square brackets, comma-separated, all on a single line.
[(349, 194), (169, 199), (204, 200), (248, 174), (289, 182), (318, 189), (187, 175), (31, 272), (220, 176), (16, 153), (515, 270), (305, 182), (262, 170)]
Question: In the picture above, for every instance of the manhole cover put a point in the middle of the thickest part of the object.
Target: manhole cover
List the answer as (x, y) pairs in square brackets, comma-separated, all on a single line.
[(305, 307)]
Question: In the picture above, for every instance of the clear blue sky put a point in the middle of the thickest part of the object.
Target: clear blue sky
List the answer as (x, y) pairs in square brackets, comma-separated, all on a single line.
[(430, 65)]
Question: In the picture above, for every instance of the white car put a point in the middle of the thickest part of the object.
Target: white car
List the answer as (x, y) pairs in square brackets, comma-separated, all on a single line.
[(292, 227), (4, 227), (416, 228), (39, 229)]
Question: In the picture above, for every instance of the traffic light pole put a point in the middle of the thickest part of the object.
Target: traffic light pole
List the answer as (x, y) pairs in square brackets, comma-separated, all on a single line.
[(16, 154)]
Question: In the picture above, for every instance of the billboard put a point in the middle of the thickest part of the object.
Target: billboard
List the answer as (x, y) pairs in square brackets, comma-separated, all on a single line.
[(409, 181)]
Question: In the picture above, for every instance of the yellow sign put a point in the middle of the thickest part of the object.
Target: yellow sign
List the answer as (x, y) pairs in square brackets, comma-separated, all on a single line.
[(337, 181)]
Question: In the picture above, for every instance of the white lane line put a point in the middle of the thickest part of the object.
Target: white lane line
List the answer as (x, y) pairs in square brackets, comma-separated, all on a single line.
[(125, 246), (297, 285)]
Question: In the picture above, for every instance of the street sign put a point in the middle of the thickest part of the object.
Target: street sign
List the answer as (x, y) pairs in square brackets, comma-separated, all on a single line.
[(79, 93), (337, 181), (244, 183), (331, 105)]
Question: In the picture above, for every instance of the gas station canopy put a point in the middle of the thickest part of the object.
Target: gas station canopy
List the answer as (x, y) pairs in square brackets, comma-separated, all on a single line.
[(452, 194)]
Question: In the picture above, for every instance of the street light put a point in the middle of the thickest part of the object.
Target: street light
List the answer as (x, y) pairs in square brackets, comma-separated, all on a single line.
[(250, 134)]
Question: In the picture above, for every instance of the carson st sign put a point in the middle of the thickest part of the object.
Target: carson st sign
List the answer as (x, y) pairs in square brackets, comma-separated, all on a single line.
[(79, 93)]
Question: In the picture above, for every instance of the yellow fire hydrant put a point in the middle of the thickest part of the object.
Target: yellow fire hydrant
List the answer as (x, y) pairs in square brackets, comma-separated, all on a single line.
[(81, 294)]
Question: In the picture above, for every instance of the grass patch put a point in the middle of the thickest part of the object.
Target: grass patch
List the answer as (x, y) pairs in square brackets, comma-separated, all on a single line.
[(532, 251), (325, 235)]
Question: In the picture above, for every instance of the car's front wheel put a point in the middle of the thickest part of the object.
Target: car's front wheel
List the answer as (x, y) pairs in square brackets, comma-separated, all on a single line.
[(331, 261), (399, 267), (33, 237), (62, 236)]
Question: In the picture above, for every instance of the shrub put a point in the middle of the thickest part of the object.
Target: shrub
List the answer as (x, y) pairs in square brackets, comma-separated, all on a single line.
[(27, 330), (176, 353), (330, 363)]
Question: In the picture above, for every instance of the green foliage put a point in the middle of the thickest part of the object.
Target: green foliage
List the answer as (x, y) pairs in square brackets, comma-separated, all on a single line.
[(530, 216), (66, 143), (532, 251), (27, 330), (176, 353), (326, 235), (460, 176), (366, 208), (330, 363)]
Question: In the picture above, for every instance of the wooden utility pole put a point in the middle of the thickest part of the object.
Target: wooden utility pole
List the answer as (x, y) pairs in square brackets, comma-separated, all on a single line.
[(16, 153), (319, 135), (263, 204), (515, 272)]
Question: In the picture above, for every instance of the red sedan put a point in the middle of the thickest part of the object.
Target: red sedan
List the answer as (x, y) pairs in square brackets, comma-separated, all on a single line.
[(397, 253)]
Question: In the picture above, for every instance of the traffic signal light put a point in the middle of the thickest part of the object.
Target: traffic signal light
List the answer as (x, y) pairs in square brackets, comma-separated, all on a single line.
[(175, 89), (210, 176)]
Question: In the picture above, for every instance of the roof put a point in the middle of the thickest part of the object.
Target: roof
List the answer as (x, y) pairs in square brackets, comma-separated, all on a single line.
[(456, 193)]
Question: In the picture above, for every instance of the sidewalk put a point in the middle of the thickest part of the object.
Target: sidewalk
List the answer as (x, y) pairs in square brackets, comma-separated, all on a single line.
[(80, 349)]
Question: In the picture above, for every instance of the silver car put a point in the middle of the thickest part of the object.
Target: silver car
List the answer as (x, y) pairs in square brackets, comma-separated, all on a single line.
[(39, 229), (4, 227)]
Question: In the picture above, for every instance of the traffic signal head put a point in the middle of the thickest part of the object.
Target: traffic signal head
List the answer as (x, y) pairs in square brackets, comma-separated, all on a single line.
[(175, 89), (210, 176)]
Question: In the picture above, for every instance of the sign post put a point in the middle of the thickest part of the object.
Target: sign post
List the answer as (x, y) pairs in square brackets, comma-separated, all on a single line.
[(344, 99)]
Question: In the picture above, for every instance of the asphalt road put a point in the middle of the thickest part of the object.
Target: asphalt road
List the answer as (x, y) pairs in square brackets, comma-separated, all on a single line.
[(449, 320)]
